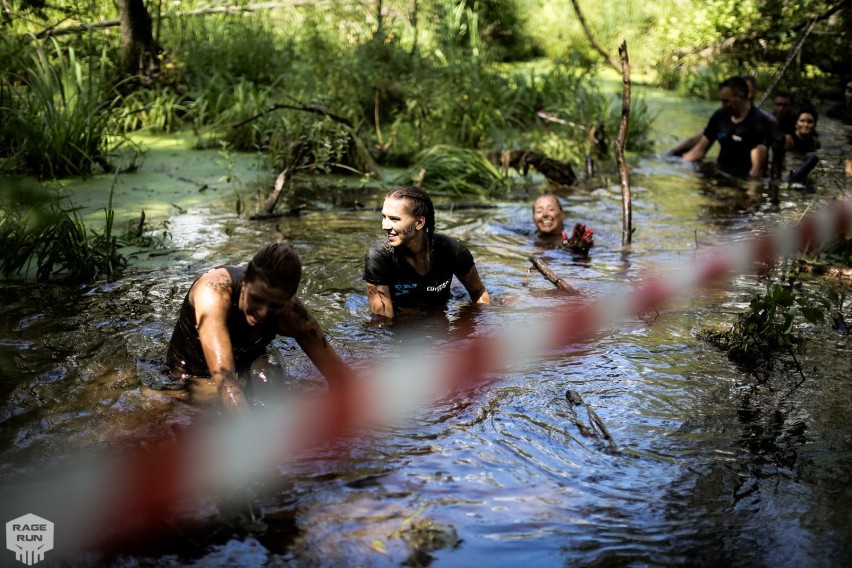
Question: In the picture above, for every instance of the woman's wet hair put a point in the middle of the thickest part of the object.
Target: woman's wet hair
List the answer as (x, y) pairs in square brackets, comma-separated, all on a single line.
[(551, 196), (807, 110), (278, 265), (421, 204)]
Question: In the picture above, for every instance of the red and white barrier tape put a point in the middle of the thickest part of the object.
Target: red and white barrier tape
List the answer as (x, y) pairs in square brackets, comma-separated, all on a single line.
[(130, 501)]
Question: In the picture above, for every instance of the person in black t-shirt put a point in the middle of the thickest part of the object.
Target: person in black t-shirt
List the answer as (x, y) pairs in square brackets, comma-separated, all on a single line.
[(230, 314), (784, 112), (805, 138), (413, 266), (742, 131)]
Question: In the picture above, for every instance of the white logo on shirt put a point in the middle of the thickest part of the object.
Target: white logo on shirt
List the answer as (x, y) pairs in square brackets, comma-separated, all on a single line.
[(437, 288)]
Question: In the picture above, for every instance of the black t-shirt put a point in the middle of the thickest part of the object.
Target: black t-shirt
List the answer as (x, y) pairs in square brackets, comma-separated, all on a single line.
[(407, 288), (803, 145), (186, 356), (737, 140)]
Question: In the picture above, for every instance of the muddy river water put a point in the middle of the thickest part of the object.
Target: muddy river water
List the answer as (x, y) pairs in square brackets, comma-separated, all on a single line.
[(709, 465)]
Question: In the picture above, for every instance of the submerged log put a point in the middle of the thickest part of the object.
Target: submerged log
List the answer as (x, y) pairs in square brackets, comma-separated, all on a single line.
[(833, 270), (560, 173)]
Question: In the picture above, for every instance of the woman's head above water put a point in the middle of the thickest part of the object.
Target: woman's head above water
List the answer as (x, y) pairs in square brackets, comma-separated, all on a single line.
[(806, 120), (408, 216), (548, 216)]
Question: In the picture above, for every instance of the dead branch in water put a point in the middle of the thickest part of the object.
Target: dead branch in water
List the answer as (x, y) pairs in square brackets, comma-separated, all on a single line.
[(551, 276)]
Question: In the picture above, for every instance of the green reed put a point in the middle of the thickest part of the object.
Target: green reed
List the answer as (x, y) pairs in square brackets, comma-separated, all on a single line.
[(43, 236), (449, 170), (58, 112)]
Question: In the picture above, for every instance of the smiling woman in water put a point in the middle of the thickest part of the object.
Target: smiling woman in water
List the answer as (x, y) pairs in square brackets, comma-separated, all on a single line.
[(413, 266)]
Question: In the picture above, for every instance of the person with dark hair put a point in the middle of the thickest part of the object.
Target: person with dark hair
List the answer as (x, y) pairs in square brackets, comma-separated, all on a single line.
[(231, 314), (804, 139), (782, 110), (743, 133), (413, 266), (549, 220), (773, 118), (842, 111)]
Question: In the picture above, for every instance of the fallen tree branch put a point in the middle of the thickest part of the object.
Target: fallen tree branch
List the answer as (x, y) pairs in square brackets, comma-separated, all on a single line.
[(303, 108), (560, 173), (836, 271), (552, 277), (53, 32)]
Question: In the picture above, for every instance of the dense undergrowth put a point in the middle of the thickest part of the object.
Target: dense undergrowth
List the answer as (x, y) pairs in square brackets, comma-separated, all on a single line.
[(341, 87)]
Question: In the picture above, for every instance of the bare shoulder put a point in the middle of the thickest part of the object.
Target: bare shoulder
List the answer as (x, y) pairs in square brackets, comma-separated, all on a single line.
[(211, 286)]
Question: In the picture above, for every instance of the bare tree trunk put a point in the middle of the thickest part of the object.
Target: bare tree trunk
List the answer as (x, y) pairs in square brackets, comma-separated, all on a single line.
[(379, 18), (627, 214), (595, 43), (414, 26), (139, 52)]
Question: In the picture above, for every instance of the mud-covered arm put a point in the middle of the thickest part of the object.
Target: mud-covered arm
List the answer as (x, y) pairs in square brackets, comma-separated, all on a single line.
[(299, 323), (474, 286), (380, 300), (211, 298)]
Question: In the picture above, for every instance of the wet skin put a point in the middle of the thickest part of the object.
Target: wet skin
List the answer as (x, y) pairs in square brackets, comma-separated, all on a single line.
[(263, 306), (548, 216), (407, 234)]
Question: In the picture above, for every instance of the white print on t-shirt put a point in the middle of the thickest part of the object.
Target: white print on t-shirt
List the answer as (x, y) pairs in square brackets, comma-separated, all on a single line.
[(439, 287)]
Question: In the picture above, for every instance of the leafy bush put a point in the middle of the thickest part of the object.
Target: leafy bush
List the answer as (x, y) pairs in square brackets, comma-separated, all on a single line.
[(241, 45), (160, 109), (768, 326)]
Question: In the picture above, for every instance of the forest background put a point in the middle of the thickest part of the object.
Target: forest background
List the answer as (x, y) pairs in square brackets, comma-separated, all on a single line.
[(362, 87)]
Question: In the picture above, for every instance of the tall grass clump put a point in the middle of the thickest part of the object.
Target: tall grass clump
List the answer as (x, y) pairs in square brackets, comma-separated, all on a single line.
[(452, 171), (42, 235), (58, 112), (160, 109)]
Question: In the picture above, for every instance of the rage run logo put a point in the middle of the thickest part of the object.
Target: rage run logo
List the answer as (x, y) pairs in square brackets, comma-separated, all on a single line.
[(29, 537)]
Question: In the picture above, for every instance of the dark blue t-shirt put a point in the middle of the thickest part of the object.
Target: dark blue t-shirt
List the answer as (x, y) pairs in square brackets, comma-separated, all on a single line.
[(407, 288), (737, 140)]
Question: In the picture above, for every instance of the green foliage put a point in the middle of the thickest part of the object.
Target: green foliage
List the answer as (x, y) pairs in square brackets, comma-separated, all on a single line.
[(721, 38), (42, 234), (160, 109), (58, 113), (839, 253), (504, 28), (241, 45), (229, 77), (447, 170), (768, 326)]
